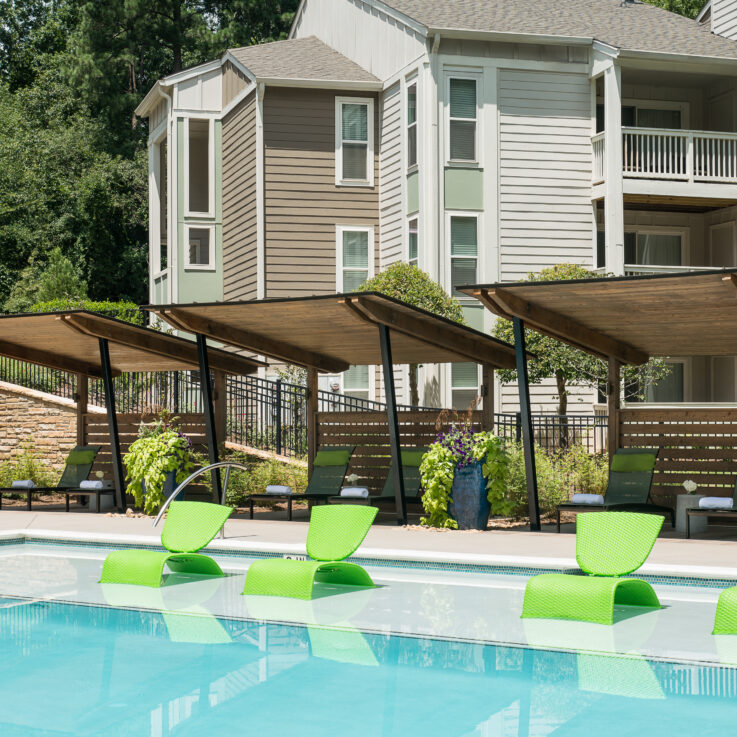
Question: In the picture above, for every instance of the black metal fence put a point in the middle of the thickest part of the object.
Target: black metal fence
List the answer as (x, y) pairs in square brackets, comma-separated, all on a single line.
[(272, 415)]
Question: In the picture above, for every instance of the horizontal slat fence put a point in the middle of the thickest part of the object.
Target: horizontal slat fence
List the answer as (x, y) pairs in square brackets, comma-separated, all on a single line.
[(698, 444), (369, 432), (96, 432)]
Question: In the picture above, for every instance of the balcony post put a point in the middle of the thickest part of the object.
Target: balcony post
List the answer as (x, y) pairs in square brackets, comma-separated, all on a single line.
[(690, 152), (613, 187)]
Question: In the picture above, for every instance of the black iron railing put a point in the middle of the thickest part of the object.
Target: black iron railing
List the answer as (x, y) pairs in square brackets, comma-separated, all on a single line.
[(553, 432)]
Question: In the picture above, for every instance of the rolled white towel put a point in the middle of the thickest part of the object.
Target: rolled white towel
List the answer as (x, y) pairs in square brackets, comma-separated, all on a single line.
[(593, 499), (716, 502), (354, 492), (23, 484), (89, 484), (278, 489)]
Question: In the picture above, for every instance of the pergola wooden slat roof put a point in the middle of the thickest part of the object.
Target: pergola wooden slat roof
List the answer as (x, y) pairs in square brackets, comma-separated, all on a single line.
[(332, 332), (627, 318), (70, 341)]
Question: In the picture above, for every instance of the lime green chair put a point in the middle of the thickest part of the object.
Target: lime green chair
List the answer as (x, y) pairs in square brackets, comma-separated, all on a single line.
[(335, 532), (189, 527), (725, 621), (608, 546)]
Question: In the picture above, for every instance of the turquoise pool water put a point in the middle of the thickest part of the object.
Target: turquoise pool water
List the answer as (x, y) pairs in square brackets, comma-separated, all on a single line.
[(81, 670)]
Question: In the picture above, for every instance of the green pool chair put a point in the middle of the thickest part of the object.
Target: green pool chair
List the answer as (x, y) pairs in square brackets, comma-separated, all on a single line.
[(725, 620), (628, 489), (335, 532), (328, 473), (189, 527), (608, 546)]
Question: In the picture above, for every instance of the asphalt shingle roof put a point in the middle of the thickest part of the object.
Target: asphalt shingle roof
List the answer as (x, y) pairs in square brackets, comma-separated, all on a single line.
[(301, 58), (626, 25)]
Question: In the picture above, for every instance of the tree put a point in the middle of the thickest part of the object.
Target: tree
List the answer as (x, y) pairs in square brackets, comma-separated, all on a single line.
[(571, 366), (408, 284), (689, 8)]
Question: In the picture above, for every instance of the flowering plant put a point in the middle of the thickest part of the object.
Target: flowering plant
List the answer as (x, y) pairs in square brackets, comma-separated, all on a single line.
[(690, 486), (459, 447)]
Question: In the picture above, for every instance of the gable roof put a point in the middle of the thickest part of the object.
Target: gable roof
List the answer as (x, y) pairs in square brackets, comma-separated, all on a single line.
[(300, 58), (634, 26)]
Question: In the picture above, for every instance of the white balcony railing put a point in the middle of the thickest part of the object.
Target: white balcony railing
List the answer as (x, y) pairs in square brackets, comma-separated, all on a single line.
[(678, 155), (641, 269)]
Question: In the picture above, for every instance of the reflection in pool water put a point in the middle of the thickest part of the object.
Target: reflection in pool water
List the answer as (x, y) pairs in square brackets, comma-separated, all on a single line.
[(79, 670)]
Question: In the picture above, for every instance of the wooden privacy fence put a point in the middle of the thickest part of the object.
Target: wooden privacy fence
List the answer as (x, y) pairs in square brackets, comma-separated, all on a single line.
[(369, 432), (96, 433), (696, 444)]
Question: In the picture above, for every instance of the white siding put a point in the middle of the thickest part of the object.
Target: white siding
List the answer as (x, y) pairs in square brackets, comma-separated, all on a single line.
[(390, 178), (203, 92), (545, 213), (368, 36), (724, 18), (544, 398)]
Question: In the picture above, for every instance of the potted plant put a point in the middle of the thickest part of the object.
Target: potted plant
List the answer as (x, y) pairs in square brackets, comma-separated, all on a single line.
[(463, 472), (157, 461)]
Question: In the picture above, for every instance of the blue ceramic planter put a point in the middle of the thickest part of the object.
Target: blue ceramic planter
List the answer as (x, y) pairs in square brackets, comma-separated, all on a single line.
[(469, 506)]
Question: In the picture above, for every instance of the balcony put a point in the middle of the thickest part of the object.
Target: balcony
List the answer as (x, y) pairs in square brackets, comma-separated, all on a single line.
[(703, 158), (645, 269)]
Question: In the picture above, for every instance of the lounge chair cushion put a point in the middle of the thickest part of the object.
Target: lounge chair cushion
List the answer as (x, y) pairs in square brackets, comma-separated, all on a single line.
[(332, 457), (633, 462), (81, 457)]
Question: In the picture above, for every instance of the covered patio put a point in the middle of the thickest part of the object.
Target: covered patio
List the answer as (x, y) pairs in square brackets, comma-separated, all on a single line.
[(90, 345), (329, 334), (628, 320)]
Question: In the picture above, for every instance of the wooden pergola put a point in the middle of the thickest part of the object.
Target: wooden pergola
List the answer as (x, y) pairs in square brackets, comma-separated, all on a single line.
[(91, 345), (628, 320), (332, 332)]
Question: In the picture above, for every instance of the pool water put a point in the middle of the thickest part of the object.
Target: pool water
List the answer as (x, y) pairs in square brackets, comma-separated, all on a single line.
[(84, 670)]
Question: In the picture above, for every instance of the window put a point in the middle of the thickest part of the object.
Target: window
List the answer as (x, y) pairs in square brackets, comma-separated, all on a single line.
[(200, 167), (200, 253), (653, 249), (162, 189), (355, 257), (412, 241), (463, 252), (643, 117), (354, 141), (356, 382), (671, 388), (462, 127), (412, 125), (464, 384), (600, 250)]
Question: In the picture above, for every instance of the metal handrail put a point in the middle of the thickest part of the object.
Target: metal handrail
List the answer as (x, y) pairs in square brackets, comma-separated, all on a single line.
[(220, 464)]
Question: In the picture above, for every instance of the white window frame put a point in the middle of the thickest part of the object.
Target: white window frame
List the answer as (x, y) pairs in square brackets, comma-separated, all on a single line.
[(687, 383), (464, 388), (407, 125), (369, 103), (684, 233), (212, 266), (410, 218), (211, 168), (683, 106), (155, 205), (339, 230), (477, 78), (449, 258)]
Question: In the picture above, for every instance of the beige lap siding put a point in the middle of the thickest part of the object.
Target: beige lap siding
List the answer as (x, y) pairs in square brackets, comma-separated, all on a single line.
[(303, 204), (239, 201)]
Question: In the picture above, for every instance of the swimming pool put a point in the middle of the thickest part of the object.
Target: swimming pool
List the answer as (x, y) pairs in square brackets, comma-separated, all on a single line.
[(86, 670)]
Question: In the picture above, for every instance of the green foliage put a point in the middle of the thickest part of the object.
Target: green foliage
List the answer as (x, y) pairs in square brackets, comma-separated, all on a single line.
[(460, 446), (559, 475), (27, 465), (568, 365), (159, 449), (126, 311), (689, 8)]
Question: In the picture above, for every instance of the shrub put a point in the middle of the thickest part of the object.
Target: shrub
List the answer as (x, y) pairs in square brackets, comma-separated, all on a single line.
[(27, 465), (126, 311)]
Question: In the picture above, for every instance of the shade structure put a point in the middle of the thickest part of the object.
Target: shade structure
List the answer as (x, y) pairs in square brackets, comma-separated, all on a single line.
[(70, 341), (332, 332), (627, 318)]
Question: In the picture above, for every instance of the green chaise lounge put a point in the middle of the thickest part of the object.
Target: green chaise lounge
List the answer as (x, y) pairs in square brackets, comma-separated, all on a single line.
[(77, 469), (189, 527), (328, 473), (335, 532), (608, 545), (628, 490), (411, 459), (725, 620)]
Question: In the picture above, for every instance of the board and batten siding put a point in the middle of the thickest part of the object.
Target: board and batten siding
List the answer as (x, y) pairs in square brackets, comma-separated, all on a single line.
[(391, 217), (724, 18), (239, 201), (234, 82), (303, 204), (545, 213)]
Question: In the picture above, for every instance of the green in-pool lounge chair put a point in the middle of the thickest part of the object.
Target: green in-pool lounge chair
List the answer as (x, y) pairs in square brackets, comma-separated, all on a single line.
[(628, 490), (725, 620), (335, 532), (411, 459), (608, 546), (77, 469), (189, 527), (328, 472)]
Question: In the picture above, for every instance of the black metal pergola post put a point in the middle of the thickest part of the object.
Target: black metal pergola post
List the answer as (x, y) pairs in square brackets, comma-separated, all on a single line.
[(209, 410), (393, 421), (112, 423), (528, 436)]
